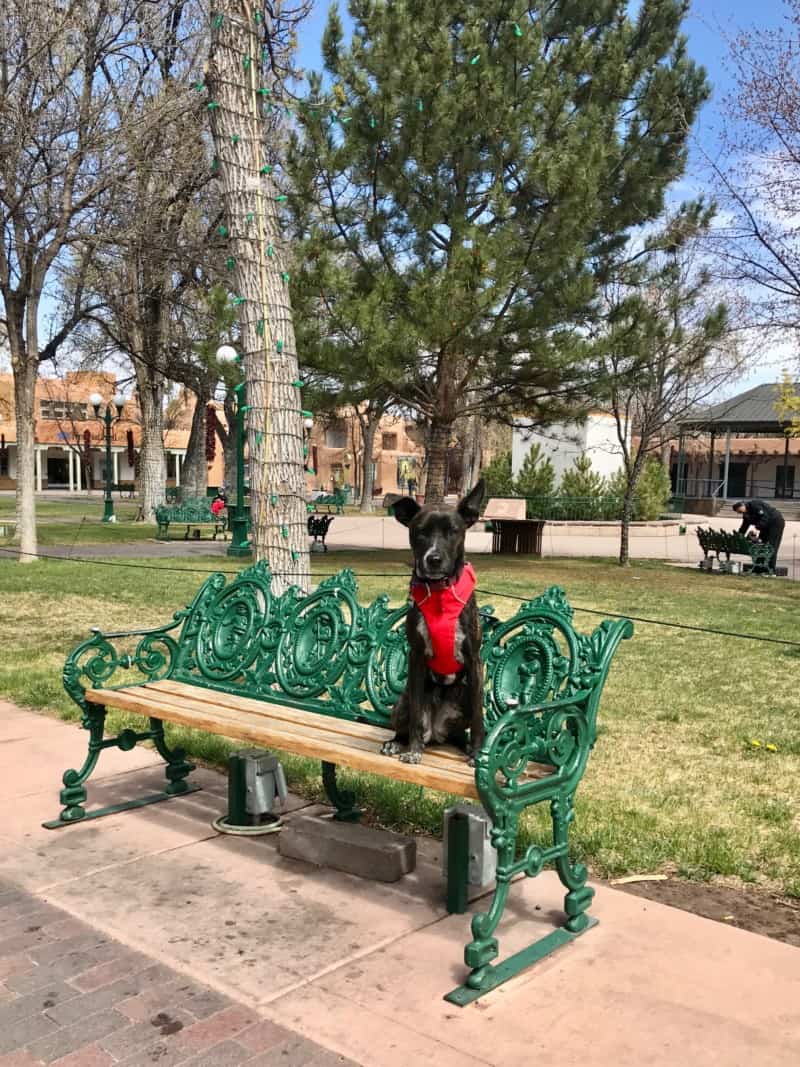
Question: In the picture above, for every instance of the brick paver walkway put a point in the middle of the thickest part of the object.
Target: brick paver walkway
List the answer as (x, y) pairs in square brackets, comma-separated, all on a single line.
[(71, 997)]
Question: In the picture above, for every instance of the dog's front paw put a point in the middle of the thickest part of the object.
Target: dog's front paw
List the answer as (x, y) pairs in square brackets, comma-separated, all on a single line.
[(391, 748), (411, 757)]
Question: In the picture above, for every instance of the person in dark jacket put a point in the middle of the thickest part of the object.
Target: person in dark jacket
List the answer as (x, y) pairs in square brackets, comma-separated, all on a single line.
[(767, 520)]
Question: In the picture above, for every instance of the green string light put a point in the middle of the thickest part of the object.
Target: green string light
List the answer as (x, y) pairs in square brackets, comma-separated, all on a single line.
[(372, 122), (246, 62), (222, 231), (310, 470), (263, 91), (307, 414), (310, 507), (218, 20), (284, 532), (239, 300), (279, 346), (295, 555), (235, 139), (260, 327), (517, 30), (230, 263), (270, 251), (285, 276), (475, 59), (298, 383), (266, 169), (305, 450), (199, 87), (212, 104), (259, 437), (419, 105), (250, 216), (215, 163), (280, 199), (273, 499)]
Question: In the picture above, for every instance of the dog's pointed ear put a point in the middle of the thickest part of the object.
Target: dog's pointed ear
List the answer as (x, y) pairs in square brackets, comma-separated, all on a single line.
[(470, 507), (402, 507)]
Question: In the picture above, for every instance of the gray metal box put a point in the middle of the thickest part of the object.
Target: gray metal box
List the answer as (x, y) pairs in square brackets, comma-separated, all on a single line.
[(264, 780), (482, 854)]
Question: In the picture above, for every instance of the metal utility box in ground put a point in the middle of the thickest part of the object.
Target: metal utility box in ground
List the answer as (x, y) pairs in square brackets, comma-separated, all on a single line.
[(482, 864), (255, 780)]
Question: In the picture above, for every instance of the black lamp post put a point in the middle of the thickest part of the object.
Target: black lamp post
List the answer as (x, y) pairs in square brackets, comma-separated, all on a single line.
[(119, 403), (240, 542)]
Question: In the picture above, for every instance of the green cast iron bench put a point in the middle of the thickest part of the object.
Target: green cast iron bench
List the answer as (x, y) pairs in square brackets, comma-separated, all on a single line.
[(194, 513), (733, 543), (335, 500), (317, 675)]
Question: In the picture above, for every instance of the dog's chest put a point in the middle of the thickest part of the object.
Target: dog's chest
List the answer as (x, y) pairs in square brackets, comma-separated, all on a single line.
[(459, 645)]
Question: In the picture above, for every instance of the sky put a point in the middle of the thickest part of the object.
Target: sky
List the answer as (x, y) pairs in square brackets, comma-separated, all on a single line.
[(709, 27)]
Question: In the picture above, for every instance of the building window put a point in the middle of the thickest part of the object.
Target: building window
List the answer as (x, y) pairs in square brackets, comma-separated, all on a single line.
[(61, 409), (336, 435), (3, 462), (389, 442)]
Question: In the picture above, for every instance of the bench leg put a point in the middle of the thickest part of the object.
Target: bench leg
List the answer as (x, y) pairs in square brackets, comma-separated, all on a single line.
[(178, 767), (573, 876), (343, 800), (73, 795), (483, 949)]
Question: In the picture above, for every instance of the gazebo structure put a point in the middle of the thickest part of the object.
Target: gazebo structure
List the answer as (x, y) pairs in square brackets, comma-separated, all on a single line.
[(735, 449)]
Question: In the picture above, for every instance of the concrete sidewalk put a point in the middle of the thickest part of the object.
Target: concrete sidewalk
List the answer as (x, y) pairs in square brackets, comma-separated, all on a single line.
[(166, 918)]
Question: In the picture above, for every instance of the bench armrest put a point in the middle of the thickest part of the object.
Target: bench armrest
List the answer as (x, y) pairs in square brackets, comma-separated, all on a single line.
[(93, 663), (555, 733)]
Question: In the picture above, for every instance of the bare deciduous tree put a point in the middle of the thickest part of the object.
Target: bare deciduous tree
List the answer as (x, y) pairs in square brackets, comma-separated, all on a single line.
[(59, 163), (669, 345)]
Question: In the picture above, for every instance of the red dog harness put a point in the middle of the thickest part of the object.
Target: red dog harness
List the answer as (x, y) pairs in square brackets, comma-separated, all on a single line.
[(441, 604)]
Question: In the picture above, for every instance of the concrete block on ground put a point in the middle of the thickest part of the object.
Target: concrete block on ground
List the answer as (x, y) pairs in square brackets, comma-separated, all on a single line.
[(361, 850)]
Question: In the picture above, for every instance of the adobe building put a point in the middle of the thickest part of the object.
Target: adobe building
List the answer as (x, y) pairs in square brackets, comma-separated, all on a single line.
[(70, 440)]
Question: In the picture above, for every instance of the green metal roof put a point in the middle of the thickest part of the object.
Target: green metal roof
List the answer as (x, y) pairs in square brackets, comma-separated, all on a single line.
[(749, 412)]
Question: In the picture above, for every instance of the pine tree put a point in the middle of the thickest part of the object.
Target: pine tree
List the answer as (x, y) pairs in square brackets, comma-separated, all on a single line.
[(581, 480), (497, 476), (475, 163), (536, 476)]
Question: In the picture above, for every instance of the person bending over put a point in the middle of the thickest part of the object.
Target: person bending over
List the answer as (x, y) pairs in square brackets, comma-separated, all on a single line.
[(767, 520)]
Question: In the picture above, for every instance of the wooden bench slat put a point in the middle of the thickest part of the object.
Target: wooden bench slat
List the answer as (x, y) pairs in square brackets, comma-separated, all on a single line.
[(299, 717), (216, 697), (358, 754)]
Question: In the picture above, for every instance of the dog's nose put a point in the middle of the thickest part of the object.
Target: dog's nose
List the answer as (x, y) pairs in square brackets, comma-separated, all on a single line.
[(433, 559)]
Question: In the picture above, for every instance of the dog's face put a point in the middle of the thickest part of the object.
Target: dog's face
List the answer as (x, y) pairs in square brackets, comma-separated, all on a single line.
[(436, 532)]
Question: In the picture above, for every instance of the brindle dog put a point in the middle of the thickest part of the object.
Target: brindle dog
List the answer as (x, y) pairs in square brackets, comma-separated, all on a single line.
[(439, 708)]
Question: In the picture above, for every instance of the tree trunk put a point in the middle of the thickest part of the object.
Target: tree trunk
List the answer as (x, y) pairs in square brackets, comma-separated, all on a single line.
[(438, 444), (472, 453), (627, 510), (152, 463), (260, 263), (25, 374), (368, 430), (194, 473)]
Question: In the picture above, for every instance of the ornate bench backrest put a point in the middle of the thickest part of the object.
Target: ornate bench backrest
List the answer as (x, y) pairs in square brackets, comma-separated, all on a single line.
[(328, 651), (195, 510)]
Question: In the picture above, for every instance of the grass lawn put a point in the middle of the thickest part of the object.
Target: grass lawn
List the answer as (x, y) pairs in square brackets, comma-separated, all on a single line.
[(675, 782), (79, 522)]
